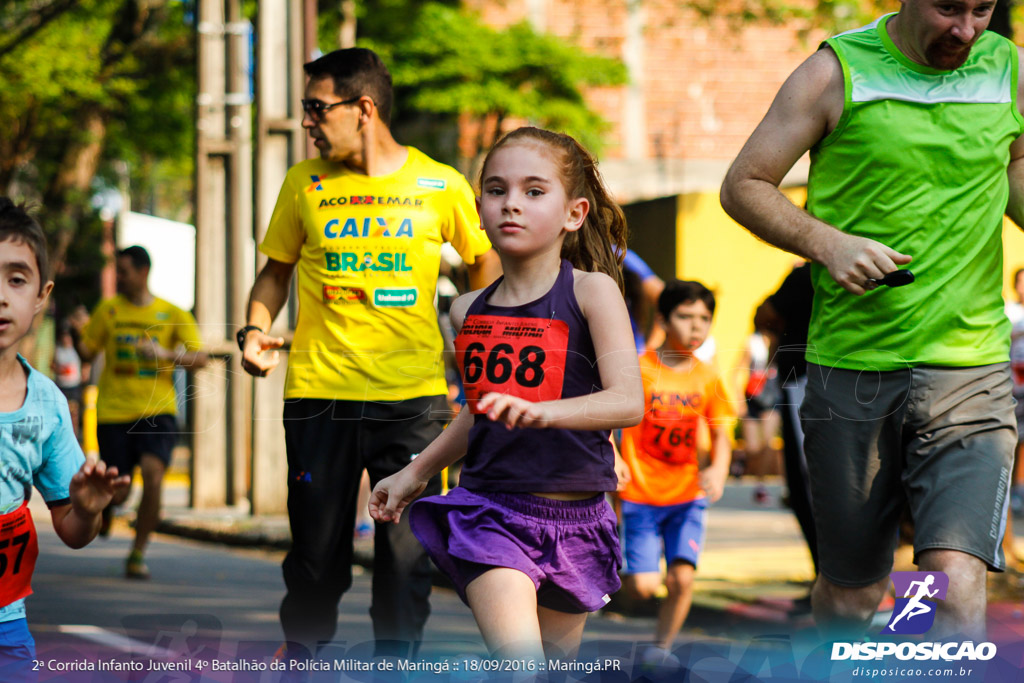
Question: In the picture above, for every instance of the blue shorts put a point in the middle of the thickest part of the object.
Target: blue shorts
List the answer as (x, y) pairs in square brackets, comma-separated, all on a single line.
[(17, 652), (681, 527)]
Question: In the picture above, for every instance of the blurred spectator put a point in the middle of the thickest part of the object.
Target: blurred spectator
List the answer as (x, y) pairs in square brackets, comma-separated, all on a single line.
[(787, 313), (642, 287), (142, 338), (68, 375), (1015, 312), (760, 421)]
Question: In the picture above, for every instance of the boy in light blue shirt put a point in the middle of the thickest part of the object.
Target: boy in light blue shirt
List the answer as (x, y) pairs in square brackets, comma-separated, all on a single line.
[(37, 443)]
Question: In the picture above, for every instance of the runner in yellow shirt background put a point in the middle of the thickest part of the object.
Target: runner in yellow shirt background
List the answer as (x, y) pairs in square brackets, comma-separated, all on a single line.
[(142, 338)]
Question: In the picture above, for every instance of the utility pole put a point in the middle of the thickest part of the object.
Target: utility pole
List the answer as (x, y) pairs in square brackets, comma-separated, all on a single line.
[(223, 237), (282, 47), (238, 454)]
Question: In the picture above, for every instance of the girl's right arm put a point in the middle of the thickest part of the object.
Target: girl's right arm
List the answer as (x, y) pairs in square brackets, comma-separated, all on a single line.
[(391, 495)]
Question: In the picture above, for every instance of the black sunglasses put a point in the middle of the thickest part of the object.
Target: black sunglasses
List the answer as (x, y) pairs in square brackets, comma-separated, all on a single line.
[(316, 109)]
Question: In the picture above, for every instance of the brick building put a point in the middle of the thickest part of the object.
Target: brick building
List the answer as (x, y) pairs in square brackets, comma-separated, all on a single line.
[(698, 85)]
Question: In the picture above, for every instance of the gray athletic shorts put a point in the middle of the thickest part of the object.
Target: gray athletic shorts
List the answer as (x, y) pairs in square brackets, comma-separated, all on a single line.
[(1018, 411), (940, 440)]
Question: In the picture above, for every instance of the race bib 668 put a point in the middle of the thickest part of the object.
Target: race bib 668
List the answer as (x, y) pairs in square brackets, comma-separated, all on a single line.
[(524, 357)]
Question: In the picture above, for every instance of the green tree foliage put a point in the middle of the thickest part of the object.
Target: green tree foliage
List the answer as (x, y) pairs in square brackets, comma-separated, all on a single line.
[(448, 66), (85, 84)]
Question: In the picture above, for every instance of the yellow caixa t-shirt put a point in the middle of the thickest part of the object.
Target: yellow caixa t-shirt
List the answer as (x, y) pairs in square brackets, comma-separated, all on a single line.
[(131, 387), (368, 251)]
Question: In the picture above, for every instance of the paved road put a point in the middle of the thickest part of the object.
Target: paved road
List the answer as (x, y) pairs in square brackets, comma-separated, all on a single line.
[(206, 602), (209, 603)]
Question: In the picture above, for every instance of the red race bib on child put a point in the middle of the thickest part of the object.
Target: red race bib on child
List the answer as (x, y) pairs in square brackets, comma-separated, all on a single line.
[(670, 436), (523, 357), (19, 549)]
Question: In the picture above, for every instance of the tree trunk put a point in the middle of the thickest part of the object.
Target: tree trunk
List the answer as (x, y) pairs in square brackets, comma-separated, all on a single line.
[(16, 148), (82, 157), (70, 186)]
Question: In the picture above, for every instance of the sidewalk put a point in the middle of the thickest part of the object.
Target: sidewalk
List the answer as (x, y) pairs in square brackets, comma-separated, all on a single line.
[(754, 565)]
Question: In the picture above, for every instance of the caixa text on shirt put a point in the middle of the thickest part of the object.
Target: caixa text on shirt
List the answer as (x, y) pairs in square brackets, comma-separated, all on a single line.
[(368, 227)]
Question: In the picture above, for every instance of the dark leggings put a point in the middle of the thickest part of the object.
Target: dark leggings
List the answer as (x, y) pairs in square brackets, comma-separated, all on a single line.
[(329, 443), (797, 481)]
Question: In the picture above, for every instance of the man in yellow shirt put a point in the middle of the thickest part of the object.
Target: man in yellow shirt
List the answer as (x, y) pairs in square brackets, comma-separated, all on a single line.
[(363, 225), (142, 338)]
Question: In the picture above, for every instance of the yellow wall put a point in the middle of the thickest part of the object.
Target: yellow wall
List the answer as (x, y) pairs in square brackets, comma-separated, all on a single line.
[(1013, 256), (739, 268), (742, 270)]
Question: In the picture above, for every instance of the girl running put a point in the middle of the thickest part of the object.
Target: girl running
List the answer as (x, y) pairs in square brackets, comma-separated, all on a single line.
[(549, 367)]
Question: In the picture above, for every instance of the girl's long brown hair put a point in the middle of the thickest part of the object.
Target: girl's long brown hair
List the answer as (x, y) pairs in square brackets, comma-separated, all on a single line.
[(600, 244)]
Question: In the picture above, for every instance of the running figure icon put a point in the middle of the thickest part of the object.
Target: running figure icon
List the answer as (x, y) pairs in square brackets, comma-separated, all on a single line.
[(915, 607)]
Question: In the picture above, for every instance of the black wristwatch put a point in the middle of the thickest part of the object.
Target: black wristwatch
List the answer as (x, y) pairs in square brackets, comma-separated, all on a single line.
[(243, 333)]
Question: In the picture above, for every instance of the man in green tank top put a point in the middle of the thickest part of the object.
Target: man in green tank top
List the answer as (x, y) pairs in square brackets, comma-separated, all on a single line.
[(913, 125)]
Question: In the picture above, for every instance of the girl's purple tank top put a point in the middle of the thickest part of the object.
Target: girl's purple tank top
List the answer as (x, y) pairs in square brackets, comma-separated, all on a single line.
[(539, 351)]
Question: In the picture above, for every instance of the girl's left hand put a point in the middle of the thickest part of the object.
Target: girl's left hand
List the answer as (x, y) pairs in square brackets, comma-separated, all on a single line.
[(513, 411)]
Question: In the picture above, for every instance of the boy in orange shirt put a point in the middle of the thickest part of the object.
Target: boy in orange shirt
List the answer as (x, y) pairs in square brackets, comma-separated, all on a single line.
[(667, 495)]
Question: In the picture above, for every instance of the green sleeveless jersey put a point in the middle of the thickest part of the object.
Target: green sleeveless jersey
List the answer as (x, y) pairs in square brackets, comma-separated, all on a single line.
[(917, 162)]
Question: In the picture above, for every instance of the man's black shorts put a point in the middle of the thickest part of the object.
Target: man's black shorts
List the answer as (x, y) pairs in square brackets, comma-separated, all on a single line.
[(123, 443)]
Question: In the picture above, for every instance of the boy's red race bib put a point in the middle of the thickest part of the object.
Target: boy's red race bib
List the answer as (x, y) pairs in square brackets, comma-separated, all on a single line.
[(19, 549), (523, 357), (669, 436)]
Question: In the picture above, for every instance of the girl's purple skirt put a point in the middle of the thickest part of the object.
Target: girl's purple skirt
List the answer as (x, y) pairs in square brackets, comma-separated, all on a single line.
[(570, 549)]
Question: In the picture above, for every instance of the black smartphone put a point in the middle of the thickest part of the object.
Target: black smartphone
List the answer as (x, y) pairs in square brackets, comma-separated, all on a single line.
[(896, 278)]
